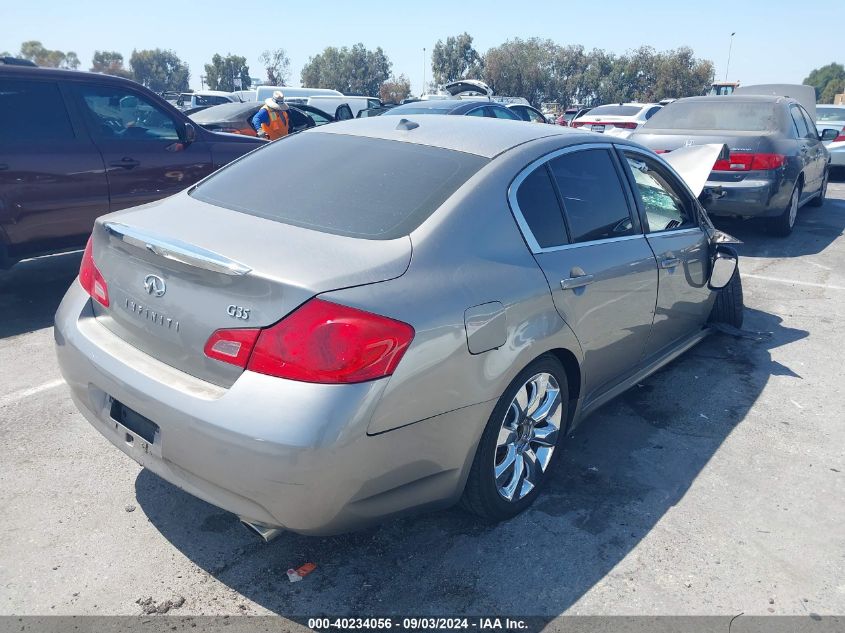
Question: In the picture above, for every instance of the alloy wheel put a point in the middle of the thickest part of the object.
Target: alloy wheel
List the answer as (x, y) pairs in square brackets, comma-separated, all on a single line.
[(527, 437)]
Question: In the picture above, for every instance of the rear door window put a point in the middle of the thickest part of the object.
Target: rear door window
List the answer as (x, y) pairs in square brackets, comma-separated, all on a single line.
[(539, 207), (812, 132), (800, 124), (594, 202), (33, 111), (343, 184)]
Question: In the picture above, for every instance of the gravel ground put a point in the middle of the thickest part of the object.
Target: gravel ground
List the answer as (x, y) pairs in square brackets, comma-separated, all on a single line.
[(714, 487)]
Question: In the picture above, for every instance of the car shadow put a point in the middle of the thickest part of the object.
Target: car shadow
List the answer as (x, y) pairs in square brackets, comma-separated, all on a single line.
[(31, 291), (622, 470), (815, 229)]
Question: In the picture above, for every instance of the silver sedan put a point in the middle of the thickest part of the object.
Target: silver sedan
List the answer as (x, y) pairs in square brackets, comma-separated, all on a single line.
[(388, 315)]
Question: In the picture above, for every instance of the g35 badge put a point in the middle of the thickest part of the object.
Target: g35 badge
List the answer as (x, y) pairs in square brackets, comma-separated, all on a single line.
[(238, 312)]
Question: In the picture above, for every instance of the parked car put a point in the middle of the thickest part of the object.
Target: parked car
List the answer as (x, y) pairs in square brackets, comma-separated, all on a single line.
[(463, 107), (622, 116), (293, 95), (527, 113), (271, 346), (570, 114), (236, 118), (363, 114), (76, 145), (204, 99), (777, 160), (832, 117), (356, 104)]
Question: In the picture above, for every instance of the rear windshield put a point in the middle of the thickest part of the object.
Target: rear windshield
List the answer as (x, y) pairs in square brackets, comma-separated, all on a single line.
[(347, 185), (428, 109), (830, 114), (724, 114), (616, 110)]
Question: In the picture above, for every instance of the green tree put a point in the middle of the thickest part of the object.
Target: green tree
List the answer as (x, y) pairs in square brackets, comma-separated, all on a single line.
[(680, 74), (352, 71), (109, 63), (159, 70), (455, 59), (277, 66), (523, 68), (34, 51), (395, 89), (223, 72), (833, 88), (821, 77)]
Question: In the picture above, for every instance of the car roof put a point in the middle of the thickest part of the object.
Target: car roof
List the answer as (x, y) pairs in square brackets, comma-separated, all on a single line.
[(40, 72), (734, 98), (482, 136)]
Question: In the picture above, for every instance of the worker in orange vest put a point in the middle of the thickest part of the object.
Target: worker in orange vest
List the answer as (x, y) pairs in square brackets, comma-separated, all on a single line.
[(272, 121)]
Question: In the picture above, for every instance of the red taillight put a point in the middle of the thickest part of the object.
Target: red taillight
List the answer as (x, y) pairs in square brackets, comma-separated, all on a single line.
[(577, 123), (319, 342), (231, 346), (748, 162), (841, 136), (628, 125), (661, 151), (91, 278)]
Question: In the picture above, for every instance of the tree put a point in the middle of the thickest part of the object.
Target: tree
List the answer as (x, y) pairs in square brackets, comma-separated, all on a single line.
[(821, 77), (159, 70), (34, 51), (225, 73), (277, 66), (681, 74), (456, 59), (395, 89), (109, 63), (351, 71), (523, 68), (833, 88)]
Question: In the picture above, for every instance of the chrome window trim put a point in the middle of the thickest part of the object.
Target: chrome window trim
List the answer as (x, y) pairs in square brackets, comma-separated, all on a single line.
[(684, 231), (520, 219)]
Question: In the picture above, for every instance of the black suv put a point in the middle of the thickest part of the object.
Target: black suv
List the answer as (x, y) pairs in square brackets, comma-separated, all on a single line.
[(75, 145)]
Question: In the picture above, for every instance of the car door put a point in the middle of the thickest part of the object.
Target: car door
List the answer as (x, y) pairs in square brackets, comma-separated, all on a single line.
[(142, 144), (577, 219), (805, 149), (816, 152), (670, 219), (52, 181)]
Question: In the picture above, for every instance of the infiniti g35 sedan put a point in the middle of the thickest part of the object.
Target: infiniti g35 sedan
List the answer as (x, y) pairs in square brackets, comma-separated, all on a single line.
[(426, 327)]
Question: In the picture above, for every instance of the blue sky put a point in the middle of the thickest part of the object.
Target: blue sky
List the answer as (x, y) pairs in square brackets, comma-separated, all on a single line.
[(776, 40)]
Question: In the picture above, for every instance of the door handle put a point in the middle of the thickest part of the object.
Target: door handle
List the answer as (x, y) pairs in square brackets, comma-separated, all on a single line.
[(576, 282), (669, 262), (125, 162)]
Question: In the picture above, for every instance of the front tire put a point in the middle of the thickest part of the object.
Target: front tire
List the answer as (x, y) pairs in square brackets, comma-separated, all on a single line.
[(783, 224), (520, 443), (819, 199), (729, 306)]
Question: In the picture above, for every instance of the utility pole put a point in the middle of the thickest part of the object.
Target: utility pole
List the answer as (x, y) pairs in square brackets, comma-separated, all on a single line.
[(422, 92), (730, 48)]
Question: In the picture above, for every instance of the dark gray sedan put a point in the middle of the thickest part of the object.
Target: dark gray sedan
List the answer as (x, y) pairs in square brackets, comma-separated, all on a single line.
[(777, 160)]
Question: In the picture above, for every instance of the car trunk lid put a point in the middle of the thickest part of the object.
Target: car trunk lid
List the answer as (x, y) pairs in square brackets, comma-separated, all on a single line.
[(179, 269)]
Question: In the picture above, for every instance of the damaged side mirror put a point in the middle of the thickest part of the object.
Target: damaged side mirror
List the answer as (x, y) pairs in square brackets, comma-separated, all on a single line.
[(723, 265)]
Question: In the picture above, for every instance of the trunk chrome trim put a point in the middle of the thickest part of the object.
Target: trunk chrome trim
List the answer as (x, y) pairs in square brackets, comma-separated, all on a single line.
[(176, 250)]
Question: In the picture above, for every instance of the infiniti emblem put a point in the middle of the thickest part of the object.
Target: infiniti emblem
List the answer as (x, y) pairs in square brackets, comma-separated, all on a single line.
[(154, 285)]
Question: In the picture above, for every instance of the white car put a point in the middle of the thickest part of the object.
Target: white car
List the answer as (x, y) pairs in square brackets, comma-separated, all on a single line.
[(624, 118), (204, 99), (330, 103)]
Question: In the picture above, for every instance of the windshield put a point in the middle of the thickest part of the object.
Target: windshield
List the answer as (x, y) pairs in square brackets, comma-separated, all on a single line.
[(722, 114), (616, 110), (830, 114), (347, 185)]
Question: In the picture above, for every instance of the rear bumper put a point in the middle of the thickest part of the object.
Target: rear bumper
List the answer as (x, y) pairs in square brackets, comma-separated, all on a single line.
[(275, 452), (755, 196)]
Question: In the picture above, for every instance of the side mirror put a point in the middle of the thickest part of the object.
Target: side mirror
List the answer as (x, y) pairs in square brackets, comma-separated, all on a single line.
[(190, 134), (828, 134), (722, 267)]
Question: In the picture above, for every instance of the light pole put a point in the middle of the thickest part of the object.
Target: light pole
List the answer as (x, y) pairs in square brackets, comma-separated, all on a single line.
[(730, 48), (422, 92)]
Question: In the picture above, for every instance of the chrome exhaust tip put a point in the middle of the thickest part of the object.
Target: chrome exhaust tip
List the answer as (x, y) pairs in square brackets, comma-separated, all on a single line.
[(265, 532)]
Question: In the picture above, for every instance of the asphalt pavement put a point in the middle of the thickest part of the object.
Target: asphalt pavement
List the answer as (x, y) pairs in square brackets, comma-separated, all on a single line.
[(716, 486)]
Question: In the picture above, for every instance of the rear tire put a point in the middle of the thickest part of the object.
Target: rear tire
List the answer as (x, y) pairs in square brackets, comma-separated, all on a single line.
[(519, 444), (819, 199), (729, 305), (783, 224)]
